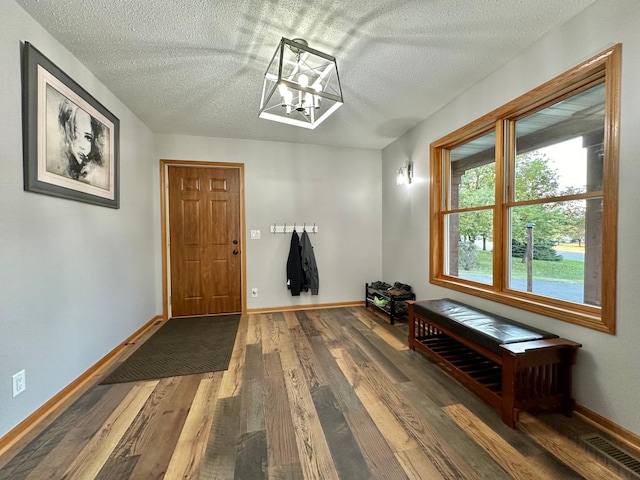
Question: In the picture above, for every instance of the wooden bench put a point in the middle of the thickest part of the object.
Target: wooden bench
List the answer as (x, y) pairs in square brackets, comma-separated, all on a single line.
[(510, 365)]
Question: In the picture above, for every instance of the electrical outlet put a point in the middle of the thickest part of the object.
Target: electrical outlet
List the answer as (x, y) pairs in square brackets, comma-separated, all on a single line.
[(255, 234), (19, 383), (254, 292)]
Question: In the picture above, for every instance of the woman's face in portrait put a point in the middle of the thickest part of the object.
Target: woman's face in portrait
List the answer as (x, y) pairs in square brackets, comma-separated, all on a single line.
[(81, 145)]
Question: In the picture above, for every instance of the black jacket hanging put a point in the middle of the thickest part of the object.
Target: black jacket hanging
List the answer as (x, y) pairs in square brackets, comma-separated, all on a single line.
[(295, 275)]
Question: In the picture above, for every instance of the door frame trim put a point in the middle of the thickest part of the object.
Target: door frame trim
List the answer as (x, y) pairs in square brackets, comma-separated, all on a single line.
[(164, 222)]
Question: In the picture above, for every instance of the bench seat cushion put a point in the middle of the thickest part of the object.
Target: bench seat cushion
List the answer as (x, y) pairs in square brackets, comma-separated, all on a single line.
[(482, 328)]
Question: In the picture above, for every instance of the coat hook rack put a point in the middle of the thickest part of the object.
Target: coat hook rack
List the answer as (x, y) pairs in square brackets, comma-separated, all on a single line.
[(288, 228)]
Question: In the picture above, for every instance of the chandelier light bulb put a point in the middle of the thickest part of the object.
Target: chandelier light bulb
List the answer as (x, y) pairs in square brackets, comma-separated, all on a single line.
[(317, 86), (288, 96), (283, 95), (288, 100)]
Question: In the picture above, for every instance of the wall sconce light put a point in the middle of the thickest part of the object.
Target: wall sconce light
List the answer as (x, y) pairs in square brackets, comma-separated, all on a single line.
[(405, 174)]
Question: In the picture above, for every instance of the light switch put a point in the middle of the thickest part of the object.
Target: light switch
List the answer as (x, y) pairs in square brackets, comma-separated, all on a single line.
[(255, 234)]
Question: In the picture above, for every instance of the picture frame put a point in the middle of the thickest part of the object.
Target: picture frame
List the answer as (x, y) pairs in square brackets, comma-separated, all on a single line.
[(71, 142)]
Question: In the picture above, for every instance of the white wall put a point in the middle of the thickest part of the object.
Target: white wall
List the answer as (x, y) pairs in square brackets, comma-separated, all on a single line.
[(75, 279), (337, 188), (606, 375)]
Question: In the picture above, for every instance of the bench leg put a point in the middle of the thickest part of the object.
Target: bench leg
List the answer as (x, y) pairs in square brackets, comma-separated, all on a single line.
[(568, 357), (508, 411), (412, 327)]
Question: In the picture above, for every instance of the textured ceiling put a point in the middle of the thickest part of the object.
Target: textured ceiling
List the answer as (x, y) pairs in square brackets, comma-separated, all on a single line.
[(196, 67)]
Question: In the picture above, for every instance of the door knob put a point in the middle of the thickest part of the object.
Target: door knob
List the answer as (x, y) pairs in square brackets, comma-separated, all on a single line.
[(235, 252), (235, 242)]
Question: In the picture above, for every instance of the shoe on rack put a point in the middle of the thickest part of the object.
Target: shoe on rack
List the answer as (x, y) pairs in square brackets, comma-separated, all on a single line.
[(401, 308), (379, 301), (402, 286)]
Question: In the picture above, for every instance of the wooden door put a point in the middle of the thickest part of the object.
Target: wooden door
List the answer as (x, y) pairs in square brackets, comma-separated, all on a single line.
[(204, 240)]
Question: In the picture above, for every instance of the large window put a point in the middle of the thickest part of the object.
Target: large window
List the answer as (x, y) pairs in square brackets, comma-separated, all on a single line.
[(524, 200)]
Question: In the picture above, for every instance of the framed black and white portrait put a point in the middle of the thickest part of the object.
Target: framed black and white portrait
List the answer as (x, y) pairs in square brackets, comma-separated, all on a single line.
[(71, 141)]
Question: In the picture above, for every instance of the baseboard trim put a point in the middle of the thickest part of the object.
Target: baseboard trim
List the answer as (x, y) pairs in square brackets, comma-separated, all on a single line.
[(24, 427), (627, 437), (315, 306)]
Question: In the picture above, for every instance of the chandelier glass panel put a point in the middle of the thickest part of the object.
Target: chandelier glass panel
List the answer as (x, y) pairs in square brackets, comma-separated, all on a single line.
[(301, 86)]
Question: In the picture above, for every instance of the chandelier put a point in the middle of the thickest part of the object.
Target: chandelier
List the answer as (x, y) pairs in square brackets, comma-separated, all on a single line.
[(301, 86)]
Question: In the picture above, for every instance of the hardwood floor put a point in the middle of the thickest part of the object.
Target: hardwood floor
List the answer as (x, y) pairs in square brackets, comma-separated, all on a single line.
[(320, 394)]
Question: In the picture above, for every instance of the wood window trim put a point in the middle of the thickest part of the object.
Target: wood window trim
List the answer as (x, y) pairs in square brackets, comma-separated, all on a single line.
[(605, 66)]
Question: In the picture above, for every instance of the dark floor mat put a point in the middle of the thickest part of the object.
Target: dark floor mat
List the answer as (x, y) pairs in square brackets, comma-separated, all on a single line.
[(182, 346)]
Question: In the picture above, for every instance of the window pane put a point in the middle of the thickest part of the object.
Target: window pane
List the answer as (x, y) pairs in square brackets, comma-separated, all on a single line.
[(473, 173), (559, 149), (556, 250), (470, 245)]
